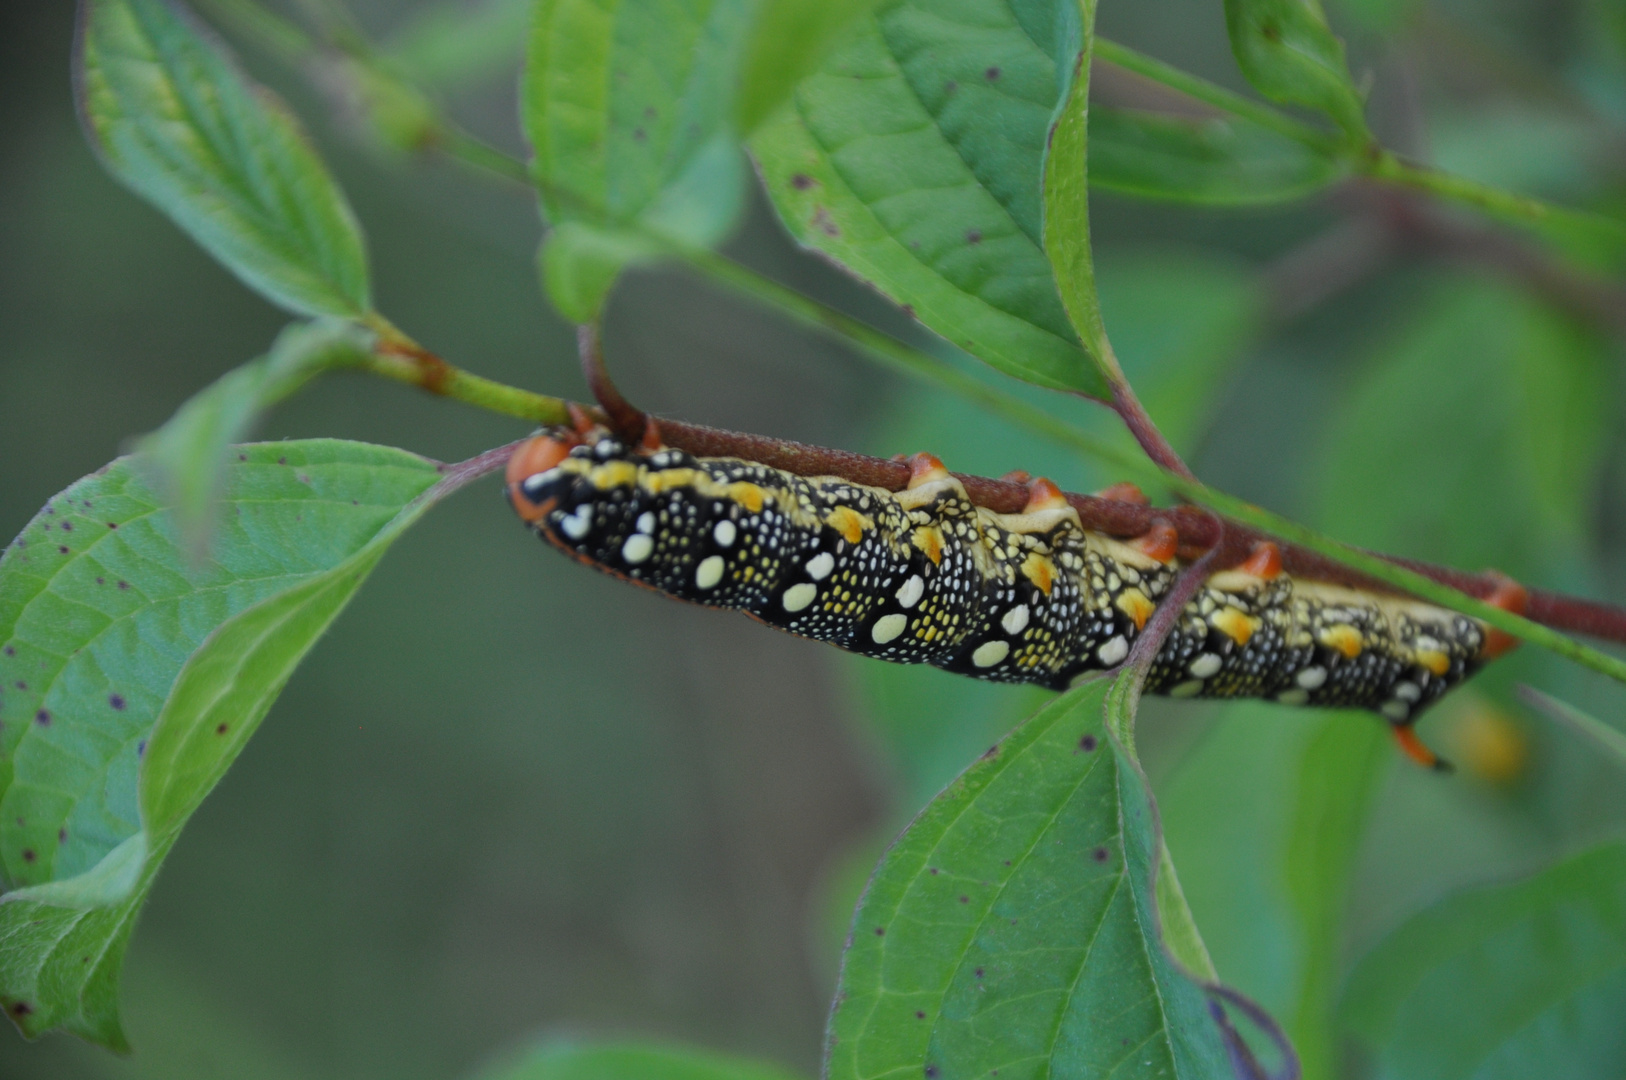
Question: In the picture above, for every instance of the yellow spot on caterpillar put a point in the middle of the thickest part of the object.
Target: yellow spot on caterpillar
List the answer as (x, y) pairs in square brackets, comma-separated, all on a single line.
[(1133, 602), (613, 474), (1234, 625), (929, 540), (1434, 660), (747, 495), (849, 523), (667, 480), (1042, 572), (1345, 638)]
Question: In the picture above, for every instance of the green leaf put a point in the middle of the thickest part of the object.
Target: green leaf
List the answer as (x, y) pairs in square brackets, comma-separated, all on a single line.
[(134, 675), (914, 156), (175, 120), (1067, 203), (1012, 927), (566, 1060), (629, 110), (1218, 162), (188, 455), (1519, 979), (453, 43), (1290, 55), (788, 40)]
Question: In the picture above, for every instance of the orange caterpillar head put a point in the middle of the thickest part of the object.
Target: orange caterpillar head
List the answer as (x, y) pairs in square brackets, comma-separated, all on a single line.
[(536, 455)]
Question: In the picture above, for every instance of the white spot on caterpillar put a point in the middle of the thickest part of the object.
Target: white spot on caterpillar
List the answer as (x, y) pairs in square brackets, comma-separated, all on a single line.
[(990, 653), (578, 524), (1407, 691), (709, 572), (1205, 665), (637, 548), (798, 597), (646, 522), (1113, 651), (1189, 688), (1015, 620), (1311, 678), (725, 533), (1293, 697), (910, 592), (888, 627), (1395, 710), (820, 565)]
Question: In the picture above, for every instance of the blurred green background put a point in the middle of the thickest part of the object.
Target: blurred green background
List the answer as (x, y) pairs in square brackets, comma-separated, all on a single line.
[(508, 796)]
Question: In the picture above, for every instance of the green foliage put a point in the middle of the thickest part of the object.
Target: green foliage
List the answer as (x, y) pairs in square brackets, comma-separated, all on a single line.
[(1216, 162), (1012, 926), (913, 157), (174, 119), (134, 677), (1520, 979), (1030, 920), (629, 111), (1290, 55), (566, 1060)]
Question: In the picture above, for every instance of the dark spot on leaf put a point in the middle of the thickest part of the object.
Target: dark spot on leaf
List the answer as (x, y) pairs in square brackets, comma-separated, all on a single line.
[(303, 479), (801, 181), (950, 86), (124, 584), (22, 823), (992, 751), (649, 112), (1100, 854), (991, 74), (67, 526), (1087, 744), (220, 729), (116, 701), (19, 684), (823, 222), (141, 748), (931, 1070), (1271, 31), (242, 457), (1007, 862), (965, 899), (282, 461), (909, 310), (110, 525), (10, 651), (28, 854), (880, 931), (62, 835), (63, 549), (43, 718), (101, 581), (638, 135), (22, 1008), (933, 870), (979, 973), (920, 1014), (973, 236)]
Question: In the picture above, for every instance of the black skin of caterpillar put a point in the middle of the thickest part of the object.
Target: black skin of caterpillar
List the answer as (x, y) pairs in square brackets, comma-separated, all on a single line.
[(925, 576)]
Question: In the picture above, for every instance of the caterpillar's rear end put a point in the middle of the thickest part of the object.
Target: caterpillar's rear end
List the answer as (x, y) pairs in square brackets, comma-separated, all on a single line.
[(925, 576)]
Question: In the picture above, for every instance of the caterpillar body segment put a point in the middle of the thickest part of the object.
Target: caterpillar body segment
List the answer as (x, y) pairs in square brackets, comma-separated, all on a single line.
[(926, 576)]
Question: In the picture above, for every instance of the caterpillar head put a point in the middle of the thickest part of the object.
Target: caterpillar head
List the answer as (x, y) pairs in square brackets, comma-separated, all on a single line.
[(527, 489)]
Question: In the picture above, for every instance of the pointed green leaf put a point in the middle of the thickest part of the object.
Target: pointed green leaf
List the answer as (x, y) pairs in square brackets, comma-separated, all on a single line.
[(1511, 980), (566, 1060), (188, 455), (1012, 927), (913, 157), (788, 40), (134, 675), (1218, 162), (176, 121), (1290, 55), (629, 110)]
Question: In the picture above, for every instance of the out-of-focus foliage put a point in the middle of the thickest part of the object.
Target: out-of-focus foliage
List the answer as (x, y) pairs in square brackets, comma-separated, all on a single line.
[(506, 796)]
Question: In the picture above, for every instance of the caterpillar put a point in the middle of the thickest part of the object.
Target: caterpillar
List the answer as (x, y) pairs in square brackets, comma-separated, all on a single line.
[(924, 575)]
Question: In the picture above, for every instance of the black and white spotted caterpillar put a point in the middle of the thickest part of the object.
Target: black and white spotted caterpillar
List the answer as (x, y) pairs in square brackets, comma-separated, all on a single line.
[(925, 576)]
